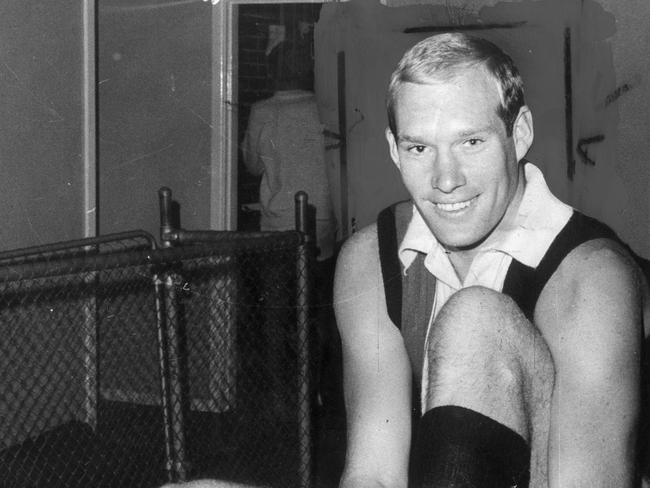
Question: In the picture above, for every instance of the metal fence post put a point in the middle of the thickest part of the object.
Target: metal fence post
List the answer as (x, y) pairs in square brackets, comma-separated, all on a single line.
[(90, 352), (166, 225), (163, 368), (176, 401), (302, 313), (168, 313)]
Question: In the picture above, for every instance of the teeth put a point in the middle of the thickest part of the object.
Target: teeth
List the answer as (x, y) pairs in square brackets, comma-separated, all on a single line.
[(450, 207)]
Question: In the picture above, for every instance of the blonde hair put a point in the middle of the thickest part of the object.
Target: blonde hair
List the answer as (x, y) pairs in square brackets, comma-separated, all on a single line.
[(444, 56)]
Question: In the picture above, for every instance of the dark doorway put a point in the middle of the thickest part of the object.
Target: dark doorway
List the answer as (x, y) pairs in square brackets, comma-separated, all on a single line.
[(260, 27)]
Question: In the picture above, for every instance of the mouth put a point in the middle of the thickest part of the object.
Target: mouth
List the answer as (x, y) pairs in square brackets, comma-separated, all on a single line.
[(454, 206)]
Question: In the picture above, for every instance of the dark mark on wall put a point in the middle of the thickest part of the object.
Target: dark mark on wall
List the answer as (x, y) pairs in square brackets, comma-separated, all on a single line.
[(582, 148), (343, 131), (616, 94), (621, 90), (358, 121), (568, 104)]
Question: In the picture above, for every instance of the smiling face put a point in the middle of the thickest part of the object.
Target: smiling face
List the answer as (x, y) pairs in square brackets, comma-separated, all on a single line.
[(455, 157)]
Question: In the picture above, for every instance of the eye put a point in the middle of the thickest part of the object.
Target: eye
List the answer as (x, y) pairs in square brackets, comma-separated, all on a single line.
[(473, 142), (418, 149)]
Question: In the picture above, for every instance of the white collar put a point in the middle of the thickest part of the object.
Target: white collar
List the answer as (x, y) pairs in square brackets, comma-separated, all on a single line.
[(539, 219)]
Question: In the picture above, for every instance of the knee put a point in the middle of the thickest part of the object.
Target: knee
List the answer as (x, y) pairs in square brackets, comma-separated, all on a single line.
[(482, 346), (480, 304), (479, 314), (486, 327)]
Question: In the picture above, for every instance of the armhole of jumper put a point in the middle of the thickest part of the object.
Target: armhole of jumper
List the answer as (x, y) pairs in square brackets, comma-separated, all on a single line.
[(578, 230), (525, 284), (390, 267)]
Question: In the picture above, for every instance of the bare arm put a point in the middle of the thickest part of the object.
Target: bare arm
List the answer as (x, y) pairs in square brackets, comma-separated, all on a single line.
[(210, 484), (377, 375), (590, 314)]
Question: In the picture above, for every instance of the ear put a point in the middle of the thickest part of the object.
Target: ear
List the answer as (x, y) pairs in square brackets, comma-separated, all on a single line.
[(522, 132), (392, 145)]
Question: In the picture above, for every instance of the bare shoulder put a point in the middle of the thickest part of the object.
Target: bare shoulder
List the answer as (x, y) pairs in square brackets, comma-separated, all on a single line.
[(595, 297), (601, 273), (359, 298), (358, 252), (602, 266), (357, 268)]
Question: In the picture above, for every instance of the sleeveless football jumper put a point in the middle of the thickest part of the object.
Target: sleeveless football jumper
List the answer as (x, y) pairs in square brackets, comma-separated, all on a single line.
[(453, 446), (409, 297)]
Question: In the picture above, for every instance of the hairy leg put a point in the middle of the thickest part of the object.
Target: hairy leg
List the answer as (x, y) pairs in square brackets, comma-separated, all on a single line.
[(484, 355)]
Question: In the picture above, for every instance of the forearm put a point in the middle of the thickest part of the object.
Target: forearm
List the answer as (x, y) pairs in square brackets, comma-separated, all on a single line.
[(592, 441), (576, 478), (601, 467), (207, 483), (364, 481)]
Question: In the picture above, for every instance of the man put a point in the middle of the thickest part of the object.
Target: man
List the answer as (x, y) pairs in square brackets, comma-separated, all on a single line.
[(523, 344), (284, 144)]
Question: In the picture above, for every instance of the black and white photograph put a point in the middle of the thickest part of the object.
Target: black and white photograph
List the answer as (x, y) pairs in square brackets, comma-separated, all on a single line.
[(324, 244)]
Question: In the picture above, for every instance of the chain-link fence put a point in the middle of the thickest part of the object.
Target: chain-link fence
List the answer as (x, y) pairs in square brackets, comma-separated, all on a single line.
[(126, 365)]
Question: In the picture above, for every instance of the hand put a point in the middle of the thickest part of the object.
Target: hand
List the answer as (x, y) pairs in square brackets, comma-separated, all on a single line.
[(213, 2)]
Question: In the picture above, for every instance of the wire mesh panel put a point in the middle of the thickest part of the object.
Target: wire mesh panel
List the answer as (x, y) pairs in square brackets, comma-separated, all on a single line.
[(123, 365), (242, 344), (54, 424)]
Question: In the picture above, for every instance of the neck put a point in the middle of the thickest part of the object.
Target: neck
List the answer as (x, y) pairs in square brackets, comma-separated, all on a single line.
[(461, 262)]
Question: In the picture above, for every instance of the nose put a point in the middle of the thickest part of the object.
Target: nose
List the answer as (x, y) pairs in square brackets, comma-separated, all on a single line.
[(447, 173)]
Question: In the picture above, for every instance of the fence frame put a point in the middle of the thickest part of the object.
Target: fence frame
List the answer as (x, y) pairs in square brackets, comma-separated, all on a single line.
[(83, 256)]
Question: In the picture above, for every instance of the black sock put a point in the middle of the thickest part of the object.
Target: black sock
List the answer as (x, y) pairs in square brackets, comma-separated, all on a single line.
[(459, 448)]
